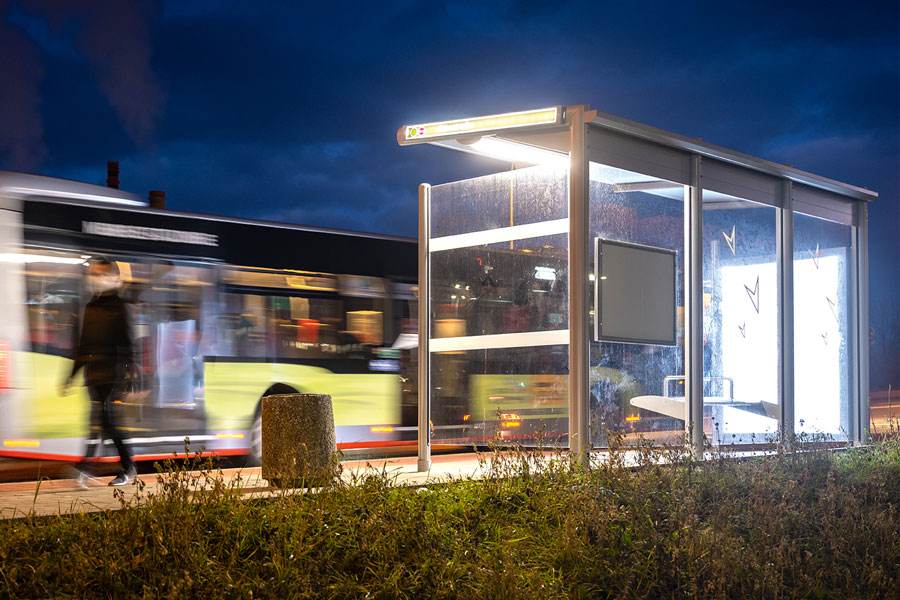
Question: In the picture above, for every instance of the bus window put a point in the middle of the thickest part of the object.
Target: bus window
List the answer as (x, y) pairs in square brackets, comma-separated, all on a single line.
[(366, 322), (366, 300), (172, 306), (297, 314), (250, 277), (311, 327), (53, 297), (243, 326)]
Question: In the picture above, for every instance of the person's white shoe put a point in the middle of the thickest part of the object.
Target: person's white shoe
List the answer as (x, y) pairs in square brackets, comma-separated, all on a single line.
[(125, 478), (82, 479)]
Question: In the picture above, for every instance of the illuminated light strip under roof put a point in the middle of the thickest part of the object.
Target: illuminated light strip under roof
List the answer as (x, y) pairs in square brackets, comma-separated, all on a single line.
[(501, 234), (527, 339), (424, 132), (513, 152)]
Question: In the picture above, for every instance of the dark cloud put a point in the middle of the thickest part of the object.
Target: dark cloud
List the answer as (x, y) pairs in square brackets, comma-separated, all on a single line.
[(113, 37), (116, 41), (21, 125)]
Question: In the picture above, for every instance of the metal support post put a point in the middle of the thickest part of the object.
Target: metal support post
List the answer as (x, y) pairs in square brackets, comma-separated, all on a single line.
[(424, 373), (785, 275), (862, 326), (579, 341), (693, 313)]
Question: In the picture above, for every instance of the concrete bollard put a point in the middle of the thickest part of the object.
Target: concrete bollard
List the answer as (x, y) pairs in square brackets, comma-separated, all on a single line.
[(298, 441)]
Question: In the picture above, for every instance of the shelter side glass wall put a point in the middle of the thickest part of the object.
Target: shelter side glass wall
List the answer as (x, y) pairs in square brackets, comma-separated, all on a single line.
[(516, 395), (740, 320), (822, 322), (516, 197), (494, 289), (628, 381), (499, 307)]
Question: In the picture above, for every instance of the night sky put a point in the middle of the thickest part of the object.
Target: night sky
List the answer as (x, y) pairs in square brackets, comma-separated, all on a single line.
[(288, 111)]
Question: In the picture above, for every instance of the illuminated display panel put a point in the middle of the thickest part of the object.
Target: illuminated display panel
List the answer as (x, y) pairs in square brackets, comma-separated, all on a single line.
[(822, 326), (474, 125), (819, 348), (748, 352), (740, 320)]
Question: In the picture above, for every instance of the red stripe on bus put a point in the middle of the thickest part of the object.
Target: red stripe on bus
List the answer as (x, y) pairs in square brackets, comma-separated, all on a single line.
[(112, 459), (181, 455), (353, 445)]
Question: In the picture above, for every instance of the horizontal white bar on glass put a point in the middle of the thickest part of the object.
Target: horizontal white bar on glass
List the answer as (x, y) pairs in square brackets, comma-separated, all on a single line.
[(503, 234), (499, 340)]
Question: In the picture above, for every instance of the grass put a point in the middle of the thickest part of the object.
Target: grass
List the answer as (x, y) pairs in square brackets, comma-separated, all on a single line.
[(799, 524)]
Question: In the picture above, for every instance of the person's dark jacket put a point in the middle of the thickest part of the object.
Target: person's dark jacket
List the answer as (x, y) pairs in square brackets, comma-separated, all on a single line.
[(104, 347)]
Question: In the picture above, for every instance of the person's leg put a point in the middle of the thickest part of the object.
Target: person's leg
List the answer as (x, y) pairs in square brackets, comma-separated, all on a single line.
[(95, 432), (112, 432)]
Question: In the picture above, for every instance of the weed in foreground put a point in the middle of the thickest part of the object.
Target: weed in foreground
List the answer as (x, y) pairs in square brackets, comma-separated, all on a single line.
[(645, 522)]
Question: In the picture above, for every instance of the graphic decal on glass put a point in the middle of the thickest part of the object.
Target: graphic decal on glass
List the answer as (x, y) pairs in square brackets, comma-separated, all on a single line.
[(833, 306), (754, 294), (825, 338), (815, 256), (730, 240), (748, 337)]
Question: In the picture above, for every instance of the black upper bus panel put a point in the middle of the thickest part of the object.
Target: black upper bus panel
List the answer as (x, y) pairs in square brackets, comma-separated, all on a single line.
[(239, 242)]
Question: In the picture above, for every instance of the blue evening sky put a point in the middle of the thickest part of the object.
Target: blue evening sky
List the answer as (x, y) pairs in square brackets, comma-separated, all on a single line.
[(288, 110)]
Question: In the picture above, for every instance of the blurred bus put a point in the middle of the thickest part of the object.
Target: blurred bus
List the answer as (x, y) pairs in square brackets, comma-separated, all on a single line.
[(224, 311)]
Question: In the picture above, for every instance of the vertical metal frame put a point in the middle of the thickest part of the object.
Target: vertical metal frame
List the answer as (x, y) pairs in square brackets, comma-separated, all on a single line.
[(693, 313), (853, 342), (861, 292), (424, 372), (785, 282), (579, 261)]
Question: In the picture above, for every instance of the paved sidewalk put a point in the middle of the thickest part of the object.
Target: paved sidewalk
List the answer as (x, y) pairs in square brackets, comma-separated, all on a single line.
[(63, 496)]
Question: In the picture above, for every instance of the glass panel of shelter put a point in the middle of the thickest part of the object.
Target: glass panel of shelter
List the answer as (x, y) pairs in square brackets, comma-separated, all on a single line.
[(637, 389), (822, 325), (521, 196), (740, 320), (499, 269), (501, 288)]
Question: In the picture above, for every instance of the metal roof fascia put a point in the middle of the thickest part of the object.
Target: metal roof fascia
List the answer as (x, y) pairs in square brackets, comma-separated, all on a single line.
[(667, 138)]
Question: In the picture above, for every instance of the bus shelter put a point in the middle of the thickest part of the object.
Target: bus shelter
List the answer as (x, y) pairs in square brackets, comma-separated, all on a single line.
[(614, 279)]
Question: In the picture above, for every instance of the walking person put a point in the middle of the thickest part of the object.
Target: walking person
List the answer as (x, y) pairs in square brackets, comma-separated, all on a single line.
[(104, 349)]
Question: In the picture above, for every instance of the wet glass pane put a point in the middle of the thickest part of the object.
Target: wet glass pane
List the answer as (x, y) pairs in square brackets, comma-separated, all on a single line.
[(517, 197), (740, 320), (513, 395), (822, 254), (508, 287), (511, 285), (630, 393)]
